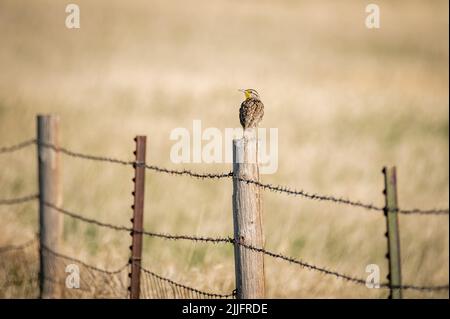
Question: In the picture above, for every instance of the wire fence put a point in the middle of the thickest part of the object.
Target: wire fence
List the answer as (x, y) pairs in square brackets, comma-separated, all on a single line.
[(274, 188), (112, 284)]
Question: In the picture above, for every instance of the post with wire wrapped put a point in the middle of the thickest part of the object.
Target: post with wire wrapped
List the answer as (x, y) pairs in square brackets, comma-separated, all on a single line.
[(50, 222), (138, 216), (391, 213), (247, 221)]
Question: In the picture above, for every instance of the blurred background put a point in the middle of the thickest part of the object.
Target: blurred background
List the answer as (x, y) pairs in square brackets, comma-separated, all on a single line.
[(346, 99)]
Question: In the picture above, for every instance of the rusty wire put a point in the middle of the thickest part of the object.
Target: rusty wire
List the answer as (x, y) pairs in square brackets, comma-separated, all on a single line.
[(18, 200), (335, 273), (146, 233), (423, 212), (188, 289), (94, 281), (265, 186), (28, 243), (57, 254), (16, 147), (233, 241)]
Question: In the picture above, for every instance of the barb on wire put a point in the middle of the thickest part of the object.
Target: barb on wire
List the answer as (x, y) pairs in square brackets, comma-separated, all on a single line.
[(147, 233), (423, 212), (57, 254), (332, 272), (16, 147), (203, 293), (26, 244), (132, 163), (286, 190), (85, 156), (18, 200), (265, 186), (94, 282), (189, 173)]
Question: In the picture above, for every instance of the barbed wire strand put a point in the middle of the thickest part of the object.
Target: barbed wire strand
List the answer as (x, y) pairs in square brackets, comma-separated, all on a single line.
[(230, 240), (270, 187), (424, 212), (18, 200), (190, 289), (147, 233), (334, 273), (95, 281), (26, 244), (57, 254), (16, 147)]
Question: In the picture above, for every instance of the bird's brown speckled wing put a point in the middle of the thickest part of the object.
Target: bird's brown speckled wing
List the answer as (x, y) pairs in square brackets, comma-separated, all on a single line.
[(251, 113)]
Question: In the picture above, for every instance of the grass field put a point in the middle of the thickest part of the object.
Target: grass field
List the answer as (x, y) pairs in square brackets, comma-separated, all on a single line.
[(347, 100)]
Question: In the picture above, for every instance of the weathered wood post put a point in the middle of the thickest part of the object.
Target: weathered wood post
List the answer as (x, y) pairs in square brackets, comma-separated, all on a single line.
[(247, 221), (391, 213), (50, 222), (138, 216)]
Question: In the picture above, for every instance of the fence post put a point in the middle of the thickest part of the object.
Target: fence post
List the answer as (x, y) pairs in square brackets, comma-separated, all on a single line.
[(50, 222), (138, 216), (247, 221), (391, 213)]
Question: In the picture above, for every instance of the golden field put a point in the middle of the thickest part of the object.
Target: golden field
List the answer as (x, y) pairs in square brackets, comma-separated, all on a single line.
[(347, 100)]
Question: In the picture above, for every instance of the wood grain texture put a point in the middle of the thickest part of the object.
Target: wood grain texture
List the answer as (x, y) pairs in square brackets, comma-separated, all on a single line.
[(50, 221), (247, 221)]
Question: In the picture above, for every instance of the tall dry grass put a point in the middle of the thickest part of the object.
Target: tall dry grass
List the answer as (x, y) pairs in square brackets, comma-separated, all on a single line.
[(347, 100)]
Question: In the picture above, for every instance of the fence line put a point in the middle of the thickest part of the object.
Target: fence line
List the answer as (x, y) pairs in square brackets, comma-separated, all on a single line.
[(16, 147), (232, 241), (57, 254), (147, 233), (203, 293), (111, 272), (292, 260), (26, 244), (19, 200), (228, 240), (335, 273), (265, 186)]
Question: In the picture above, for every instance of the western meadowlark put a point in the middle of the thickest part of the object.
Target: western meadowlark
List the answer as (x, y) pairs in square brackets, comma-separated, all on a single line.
[(252, 109)]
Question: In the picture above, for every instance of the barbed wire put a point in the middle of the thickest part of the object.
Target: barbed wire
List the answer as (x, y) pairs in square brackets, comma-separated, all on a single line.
[(85, 156), (57, 254), (94, 281), (302, 193), (265, 186), (18, 200), (324, 270), (233, 241), (190, 289), (147, 233), (424, 212), (26, 244), (16, 147)]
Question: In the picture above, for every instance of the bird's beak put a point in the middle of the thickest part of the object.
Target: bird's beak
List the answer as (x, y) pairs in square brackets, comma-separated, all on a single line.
[(241, 90)]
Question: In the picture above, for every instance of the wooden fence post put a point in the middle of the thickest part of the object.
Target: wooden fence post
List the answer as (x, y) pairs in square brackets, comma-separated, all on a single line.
[(138, 216), (247, 221), (391, 213), (50, 222)]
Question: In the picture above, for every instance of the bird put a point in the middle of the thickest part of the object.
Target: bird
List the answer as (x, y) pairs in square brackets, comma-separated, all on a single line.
[(251, 111)]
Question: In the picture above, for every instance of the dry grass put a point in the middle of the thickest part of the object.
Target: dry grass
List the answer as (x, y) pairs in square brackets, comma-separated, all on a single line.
[(347, 100)]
